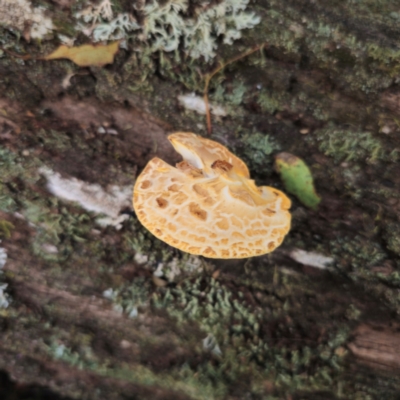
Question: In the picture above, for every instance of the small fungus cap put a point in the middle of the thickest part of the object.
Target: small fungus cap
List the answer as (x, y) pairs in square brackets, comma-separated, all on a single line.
[(208, 205)]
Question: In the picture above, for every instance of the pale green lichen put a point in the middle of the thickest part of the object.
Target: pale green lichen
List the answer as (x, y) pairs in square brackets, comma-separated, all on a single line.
[(169, 24), (102, 23), (116, 29)]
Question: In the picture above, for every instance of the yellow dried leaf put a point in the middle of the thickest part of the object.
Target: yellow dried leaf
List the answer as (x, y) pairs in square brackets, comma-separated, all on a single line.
[(87, 54)]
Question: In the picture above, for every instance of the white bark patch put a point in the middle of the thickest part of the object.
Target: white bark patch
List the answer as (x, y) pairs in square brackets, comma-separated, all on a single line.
[(92, 197), (311, 258), (196, 103)]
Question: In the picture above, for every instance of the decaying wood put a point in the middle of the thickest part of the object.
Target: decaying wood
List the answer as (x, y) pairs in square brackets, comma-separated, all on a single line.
[(377, 346), (326, 90)]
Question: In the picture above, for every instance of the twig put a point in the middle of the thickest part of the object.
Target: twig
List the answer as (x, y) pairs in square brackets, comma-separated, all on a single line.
[(209, 76), (27, 57)]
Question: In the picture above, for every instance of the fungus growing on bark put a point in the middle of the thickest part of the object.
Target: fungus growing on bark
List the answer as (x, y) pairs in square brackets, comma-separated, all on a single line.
[(207, 204)]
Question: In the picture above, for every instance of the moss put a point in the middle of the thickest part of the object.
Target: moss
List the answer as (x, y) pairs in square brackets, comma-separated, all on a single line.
[(311, 73), (330, 43), (14, 171), (348, 145), (82, 359), (237, 94), (129, 298), (357, 254), (137, 71), (257, 151), (214, 308), (271, 101), (142, 242), (9, 164), (184, 380), (57, 229), (64, 26), (6, 228), (358, 258), (185, 73), (353, 313), (392, 237), (55, 140)]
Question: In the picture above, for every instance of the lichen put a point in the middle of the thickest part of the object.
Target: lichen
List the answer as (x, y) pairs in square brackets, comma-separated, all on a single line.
[(19, 14), (103, 24), (167, 27), (168, 24)]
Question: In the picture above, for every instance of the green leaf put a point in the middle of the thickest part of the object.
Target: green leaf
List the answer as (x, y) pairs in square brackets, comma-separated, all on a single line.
[(297, 178)]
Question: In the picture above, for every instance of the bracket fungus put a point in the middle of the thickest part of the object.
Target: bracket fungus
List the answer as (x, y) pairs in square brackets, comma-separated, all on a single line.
[(208, 205)]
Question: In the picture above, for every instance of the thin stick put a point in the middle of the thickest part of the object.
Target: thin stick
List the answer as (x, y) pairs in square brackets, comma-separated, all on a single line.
[(26, 57), (209, 76)]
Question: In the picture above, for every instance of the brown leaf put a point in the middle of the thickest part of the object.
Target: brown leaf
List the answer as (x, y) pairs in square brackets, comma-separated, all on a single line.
[(87, 54), (216, 274), (159, 282)]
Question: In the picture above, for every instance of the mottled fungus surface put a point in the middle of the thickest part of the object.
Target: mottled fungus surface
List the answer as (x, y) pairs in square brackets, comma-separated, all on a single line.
[(208, 205)]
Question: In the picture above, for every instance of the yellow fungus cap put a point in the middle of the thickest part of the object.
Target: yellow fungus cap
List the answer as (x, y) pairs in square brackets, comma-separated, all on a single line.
[(207, 205)]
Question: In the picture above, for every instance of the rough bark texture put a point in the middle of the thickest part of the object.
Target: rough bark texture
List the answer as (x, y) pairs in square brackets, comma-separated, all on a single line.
[(88, 319)]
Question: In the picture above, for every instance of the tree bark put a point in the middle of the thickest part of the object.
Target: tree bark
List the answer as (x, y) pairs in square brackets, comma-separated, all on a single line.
[(100, 309)]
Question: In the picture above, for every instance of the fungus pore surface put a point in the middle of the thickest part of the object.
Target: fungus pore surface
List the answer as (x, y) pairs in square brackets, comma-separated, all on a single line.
[(208, 205)]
